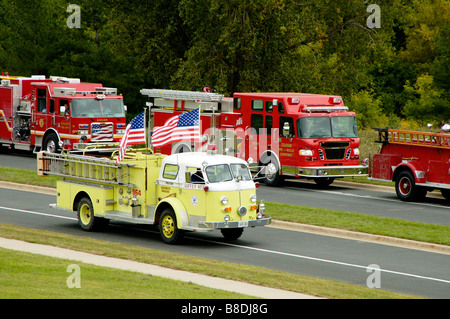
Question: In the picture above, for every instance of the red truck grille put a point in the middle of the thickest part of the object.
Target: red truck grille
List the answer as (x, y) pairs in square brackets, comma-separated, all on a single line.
[(334, 151)]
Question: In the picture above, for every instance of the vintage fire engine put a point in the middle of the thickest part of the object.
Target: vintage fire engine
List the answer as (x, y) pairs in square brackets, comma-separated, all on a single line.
[(182, 192), (417, 162), (293, 134), (38, 113)]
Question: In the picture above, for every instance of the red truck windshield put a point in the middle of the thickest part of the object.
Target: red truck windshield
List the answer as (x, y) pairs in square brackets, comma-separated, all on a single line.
[(97, 108), (326, 127)]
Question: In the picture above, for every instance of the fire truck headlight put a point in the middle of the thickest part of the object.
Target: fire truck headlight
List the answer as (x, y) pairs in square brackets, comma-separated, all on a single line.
[(305, 152), (224, 200), (356, 151), (253, 198), (226, 218)]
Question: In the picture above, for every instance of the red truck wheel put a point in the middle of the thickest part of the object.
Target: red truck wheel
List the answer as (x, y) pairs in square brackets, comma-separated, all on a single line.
[(406, 188)]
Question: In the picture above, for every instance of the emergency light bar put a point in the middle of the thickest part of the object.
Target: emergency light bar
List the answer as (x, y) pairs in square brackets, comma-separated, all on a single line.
[(101, 92), (326, 109)]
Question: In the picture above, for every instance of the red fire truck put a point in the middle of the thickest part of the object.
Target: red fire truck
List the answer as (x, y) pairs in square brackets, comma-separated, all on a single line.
[(291, 134), (417, 162), (58, 113)]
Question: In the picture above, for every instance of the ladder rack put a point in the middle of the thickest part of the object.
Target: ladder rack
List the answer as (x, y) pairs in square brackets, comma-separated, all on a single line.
[(182, 95), (79, 167), (403, 137)]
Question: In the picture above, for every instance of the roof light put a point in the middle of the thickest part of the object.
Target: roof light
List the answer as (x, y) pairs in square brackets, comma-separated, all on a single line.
[(335, 100)]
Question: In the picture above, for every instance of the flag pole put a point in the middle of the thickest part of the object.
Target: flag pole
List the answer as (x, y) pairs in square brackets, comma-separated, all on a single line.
[(199, 132), (146, 129)]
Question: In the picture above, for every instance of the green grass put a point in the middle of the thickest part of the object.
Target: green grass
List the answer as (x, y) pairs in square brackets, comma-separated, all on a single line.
[(25, 176), (245, 273), (31, 276)]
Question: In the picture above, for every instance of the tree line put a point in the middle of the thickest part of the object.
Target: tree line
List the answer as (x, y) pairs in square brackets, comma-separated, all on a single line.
[(396, 70)]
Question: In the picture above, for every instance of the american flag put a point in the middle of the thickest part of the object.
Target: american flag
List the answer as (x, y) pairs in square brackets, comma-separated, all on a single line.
[(134, 134), (183, 127), (102, 132)]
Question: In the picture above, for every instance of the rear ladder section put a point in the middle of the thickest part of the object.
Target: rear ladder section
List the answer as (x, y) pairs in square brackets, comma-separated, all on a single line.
[(79, 167)]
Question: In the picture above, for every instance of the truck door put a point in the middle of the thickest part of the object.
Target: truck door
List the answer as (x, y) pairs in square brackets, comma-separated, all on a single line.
[(6, 114), (61, 120), (42, 119), (287, 140)]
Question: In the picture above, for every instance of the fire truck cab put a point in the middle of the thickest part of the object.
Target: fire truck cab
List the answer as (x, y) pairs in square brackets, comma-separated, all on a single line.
[(292, 134), (417, 162), (39, 113)]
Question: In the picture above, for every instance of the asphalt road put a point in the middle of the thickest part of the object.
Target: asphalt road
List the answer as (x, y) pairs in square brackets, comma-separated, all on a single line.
[(403, 270), (379, 201)]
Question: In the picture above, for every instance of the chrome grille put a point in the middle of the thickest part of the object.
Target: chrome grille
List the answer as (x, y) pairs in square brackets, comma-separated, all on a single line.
[(334, 150)]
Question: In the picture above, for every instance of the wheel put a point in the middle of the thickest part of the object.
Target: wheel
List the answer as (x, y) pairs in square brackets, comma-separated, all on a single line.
[(51, 143), (232, 233), (324, 181), (86, 218), (168, 227), (406, 189), (274, 178), (446, 194)]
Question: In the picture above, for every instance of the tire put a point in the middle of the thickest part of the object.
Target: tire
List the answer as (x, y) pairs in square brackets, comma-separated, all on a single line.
[(446, 194), (86, 218), (51, 143), (277, 179), (324, 181), (406, 188), (232, 233), (168, 227)]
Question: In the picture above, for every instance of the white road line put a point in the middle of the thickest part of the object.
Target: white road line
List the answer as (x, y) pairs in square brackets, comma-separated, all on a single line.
[(36, 213), (261, 250), (323, 260)]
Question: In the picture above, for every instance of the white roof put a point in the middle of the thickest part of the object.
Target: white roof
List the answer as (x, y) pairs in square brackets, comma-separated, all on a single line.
[(196, 159)]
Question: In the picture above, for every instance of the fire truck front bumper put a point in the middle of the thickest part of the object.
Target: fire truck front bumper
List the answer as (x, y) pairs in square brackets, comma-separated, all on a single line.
[(236, 224), (327, 171)]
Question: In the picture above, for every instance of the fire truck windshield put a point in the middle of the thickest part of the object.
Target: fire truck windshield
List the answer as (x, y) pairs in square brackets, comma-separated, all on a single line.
[(222, 173), (326, 127), (97, 108)]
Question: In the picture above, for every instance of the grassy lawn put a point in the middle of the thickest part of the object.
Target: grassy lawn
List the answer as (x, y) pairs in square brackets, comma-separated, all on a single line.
[(31, 276)]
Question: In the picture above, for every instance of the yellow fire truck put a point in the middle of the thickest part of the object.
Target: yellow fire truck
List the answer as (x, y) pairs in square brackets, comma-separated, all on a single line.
[(181, 192)]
